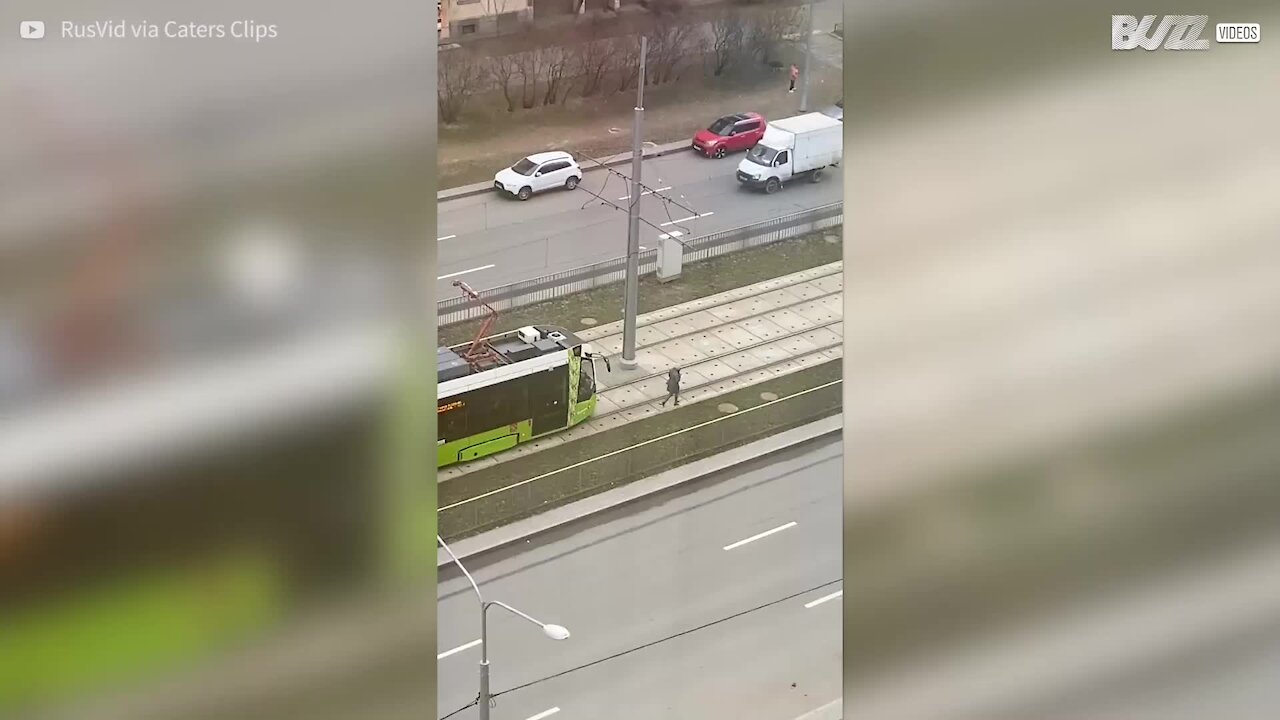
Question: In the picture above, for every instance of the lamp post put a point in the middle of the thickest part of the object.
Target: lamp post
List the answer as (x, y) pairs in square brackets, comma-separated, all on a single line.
[(555, 632), (808, 56)]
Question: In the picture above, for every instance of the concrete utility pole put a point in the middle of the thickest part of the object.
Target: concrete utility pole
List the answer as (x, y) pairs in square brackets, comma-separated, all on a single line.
[(633, 228), (808, 56)]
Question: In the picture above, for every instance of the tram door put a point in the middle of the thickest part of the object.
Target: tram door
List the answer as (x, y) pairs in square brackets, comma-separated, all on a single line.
[(549, 400)]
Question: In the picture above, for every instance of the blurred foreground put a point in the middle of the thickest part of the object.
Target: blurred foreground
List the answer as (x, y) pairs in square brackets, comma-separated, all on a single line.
[(210, 253), (1061, 405)]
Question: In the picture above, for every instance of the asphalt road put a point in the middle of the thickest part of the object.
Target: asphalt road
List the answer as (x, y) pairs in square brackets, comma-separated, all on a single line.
[(490, 240), (649, 571)]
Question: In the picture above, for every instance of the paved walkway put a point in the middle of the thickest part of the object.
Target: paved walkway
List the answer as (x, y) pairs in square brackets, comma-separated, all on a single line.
[(721, 343)]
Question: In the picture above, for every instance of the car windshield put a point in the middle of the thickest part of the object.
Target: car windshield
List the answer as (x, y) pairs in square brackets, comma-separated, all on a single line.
[(762, 155), (721, 126), (840, 104), (525, 167)]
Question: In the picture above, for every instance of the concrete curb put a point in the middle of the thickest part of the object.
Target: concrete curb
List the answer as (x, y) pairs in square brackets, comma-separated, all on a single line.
[(551, 519), (831, 711), (622, 159)]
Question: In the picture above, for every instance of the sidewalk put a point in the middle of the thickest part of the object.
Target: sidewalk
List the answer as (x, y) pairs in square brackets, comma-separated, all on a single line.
[(488, 137), (649, 151), (722, 343)]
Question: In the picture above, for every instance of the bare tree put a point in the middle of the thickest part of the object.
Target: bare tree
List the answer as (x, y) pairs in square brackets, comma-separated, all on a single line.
[(529, 68), (555, 68), (502, 70), (729, 40), (628, 61), (459, 76), (594, 61), (672, 45), (768, 27)]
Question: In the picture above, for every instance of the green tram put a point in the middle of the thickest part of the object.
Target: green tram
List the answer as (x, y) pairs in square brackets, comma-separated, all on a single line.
[(495, 393)]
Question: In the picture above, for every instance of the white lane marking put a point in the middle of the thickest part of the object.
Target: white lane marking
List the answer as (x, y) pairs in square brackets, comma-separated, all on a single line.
[(646, 192), (764, 534), (544, 714), (673, 233), (446, 237), (824, 598), (458, 649), (691, 217), (464, 272)]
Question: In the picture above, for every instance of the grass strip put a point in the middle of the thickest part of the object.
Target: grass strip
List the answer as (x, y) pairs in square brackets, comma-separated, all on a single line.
[(737, 429), (697, 280)]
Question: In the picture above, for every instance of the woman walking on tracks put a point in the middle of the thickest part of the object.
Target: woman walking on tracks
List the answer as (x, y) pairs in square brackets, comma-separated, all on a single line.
[(673, 386)]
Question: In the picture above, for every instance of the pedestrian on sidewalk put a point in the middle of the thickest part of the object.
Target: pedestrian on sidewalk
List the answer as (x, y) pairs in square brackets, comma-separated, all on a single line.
[(673, 386), (795, 75)]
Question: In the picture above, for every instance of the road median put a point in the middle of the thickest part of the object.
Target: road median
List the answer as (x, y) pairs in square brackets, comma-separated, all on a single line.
[(600, 305), (534, 482)]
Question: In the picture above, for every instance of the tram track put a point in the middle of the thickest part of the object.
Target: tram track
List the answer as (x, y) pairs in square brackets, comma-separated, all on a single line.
[(819, 350), (462, 469), (745, 318), (835, 268), (825, 321), (604, 392)]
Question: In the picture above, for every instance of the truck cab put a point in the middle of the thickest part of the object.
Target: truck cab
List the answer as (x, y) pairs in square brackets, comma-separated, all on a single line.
[(766, 166), (801, 146)]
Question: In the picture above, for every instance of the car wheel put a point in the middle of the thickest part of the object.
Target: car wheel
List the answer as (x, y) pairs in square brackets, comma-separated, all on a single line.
[(772, 185), (525, 193), (720, 152), (571, 183)]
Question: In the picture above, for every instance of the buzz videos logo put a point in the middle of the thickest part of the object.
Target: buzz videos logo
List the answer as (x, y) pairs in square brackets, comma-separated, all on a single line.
[(1176, 32)]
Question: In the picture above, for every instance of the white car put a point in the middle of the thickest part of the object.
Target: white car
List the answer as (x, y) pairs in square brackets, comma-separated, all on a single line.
[(539, 172)]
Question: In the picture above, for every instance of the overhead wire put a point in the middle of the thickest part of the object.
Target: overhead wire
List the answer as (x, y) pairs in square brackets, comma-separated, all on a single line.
[(680, 634), (471, 704)]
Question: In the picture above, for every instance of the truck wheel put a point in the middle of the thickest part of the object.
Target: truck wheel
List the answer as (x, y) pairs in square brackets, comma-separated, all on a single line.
[(816, 176), (772, 185)]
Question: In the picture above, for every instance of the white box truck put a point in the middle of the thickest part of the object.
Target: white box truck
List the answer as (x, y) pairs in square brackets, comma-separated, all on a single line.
[(794, 147)]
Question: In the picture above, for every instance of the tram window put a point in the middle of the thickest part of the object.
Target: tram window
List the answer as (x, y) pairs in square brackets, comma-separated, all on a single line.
[(452, 424), (515, 399), (497, 405), (551, 389), (486, 409), (586, 381)]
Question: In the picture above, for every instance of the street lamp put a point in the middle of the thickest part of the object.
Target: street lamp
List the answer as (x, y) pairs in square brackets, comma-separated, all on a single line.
[(555, 632), (808, 56)]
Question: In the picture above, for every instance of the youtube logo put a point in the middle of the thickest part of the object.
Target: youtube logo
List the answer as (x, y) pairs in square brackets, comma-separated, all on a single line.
[(31, 29)]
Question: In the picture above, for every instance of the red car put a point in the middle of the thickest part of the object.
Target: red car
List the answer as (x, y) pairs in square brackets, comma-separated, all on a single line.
[(730, 133)]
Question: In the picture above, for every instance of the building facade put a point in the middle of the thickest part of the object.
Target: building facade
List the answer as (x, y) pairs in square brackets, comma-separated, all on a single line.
[(459, 19)]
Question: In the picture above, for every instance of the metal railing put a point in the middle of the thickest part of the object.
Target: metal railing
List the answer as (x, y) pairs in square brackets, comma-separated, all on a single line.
[(567, 282)]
